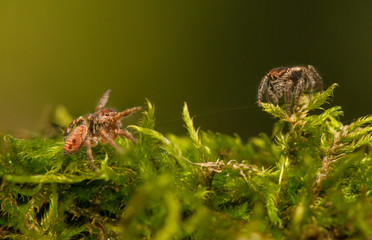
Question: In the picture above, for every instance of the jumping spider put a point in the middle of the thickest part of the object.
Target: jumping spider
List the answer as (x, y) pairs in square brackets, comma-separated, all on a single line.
[(102, 126), (289, 83)]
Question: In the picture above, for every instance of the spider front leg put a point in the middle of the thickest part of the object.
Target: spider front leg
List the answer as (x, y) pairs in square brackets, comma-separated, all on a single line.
[(272, 96), (299, 89), (126, 134), (107, 138), (102, 102), (88, 145), (126, 113), (312, 89), (262, 89), (288, 90), (315, 78), (76, 122), (315, 81)]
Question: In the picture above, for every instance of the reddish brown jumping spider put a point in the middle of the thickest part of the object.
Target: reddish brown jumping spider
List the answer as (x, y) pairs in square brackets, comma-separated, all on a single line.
[(289, 83), (102, 126)]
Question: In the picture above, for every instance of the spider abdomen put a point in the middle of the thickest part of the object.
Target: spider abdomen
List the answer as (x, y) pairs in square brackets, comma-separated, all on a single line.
[(75, 139)]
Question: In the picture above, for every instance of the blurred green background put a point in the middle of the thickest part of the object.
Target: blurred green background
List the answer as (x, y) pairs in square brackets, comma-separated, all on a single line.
[(211, 54)]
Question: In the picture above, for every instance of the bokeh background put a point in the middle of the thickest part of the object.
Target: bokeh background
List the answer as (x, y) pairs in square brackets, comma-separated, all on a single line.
[(211, 54)]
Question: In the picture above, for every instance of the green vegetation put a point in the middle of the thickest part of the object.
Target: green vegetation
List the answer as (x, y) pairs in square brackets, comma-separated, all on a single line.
[(311, 179)]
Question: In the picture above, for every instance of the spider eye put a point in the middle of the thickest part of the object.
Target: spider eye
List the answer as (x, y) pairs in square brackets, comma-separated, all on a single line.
[(107, 114)]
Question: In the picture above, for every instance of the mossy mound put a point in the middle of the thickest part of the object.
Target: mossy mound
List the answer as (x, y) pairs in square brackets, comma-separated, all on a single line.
[(311, 179)]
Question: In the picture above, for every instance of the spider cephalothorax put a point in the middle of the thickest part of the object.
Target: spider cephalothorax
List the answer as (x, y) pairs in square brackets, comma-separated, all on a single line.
[(288, 83), (102, 126)]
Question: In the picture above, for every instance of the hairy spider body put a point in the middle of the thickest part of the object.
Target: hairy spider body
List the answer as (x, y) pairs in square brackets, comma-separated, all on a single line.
[(102, 126), (289, 83)]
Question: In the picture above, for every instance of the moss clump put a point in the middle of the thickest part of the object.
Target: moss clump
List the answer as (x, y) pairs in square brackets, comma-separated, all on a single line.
[(312, 179)]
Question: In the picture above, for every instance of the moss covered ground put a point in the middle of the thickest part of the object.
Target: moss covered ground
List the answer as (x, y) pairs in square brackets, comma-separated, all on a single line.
[(311, 179)]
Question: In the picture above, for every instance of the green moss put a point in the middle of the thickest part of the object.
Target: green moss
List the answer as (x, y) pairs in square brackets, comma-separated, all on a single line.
[(311, 179)]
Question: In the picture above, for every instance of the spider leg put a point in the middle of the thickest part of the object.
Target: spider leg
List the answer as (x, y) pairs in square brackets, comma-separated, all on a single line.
[(272, 96), (267, 97), (110, 140), (126, 134), (312, 85), (317, 82), (263, 89), (126, 113), (90, 155), (299, 89), (76, 122), (102, 102), (288, 95)]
